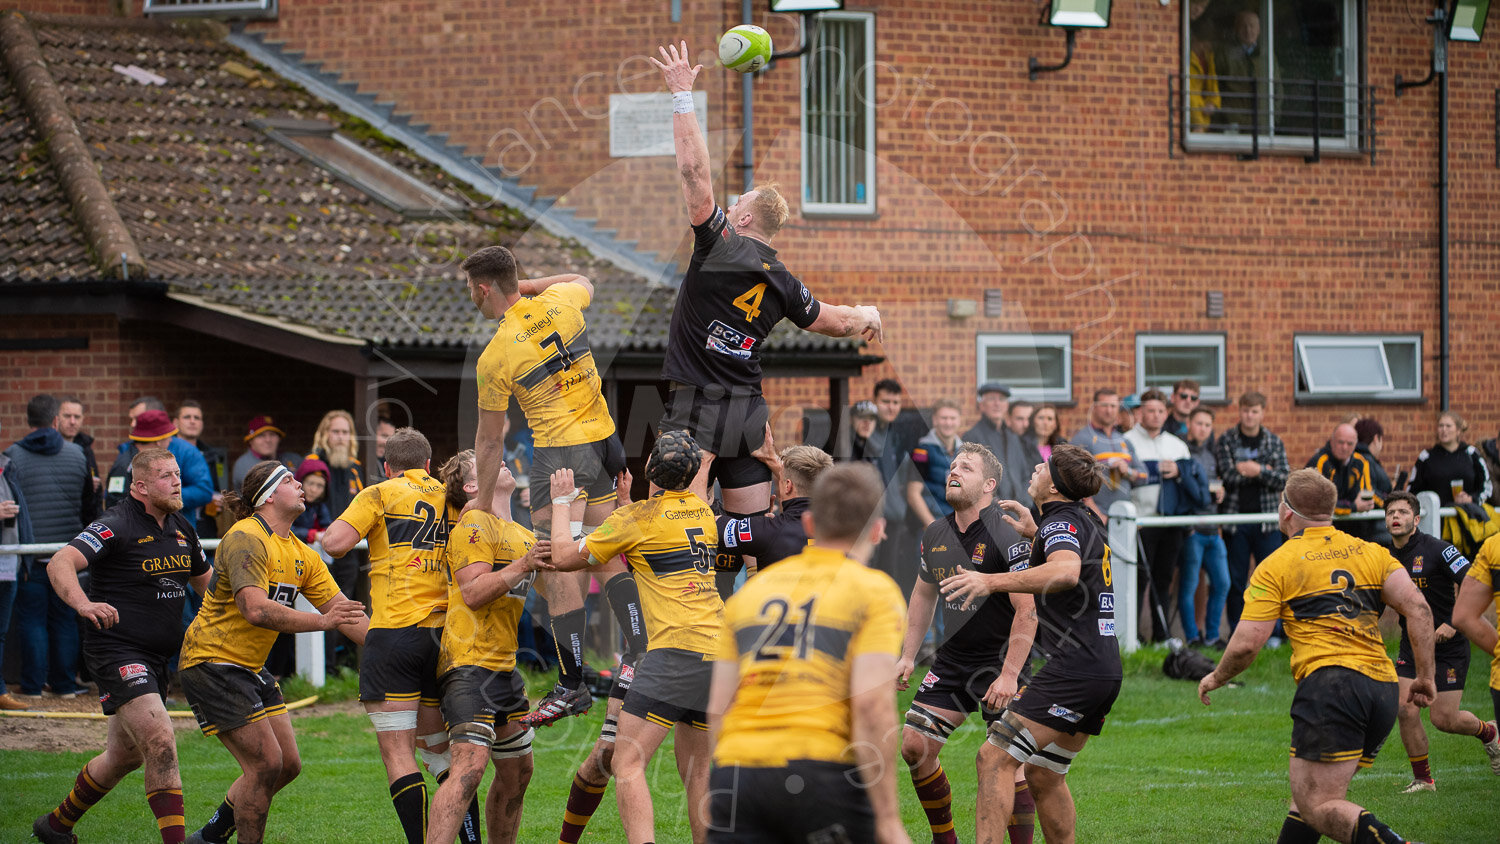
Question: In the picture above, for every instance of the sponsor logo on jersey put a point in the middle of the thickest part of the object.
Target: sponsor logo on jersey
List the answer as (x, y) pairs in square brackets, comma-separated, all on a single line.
[(474, 536), (1106, 602), (91, 541), (1060, 539), (101, 529), (1064, 713), (727, 341), (1457, 565), (1455, 559), (1057, 527), (731, 534), (131, 671), (938, 549), (744, 533), (1019, 551), (1416, 564), (146, 540), (978, 556), (1106, 627), (181, 539)]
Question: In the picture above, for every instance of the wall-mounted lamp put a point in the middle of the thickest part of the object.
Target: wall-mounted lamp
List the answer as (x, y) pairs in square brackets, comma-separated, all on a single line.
[(808, 9), (1466, 23), (1072, 15)]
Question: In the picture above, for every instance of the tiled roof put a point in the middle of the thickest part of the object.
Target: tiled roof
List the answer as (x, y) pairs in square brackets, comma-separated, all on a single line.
[(222, 212), (39, 240)]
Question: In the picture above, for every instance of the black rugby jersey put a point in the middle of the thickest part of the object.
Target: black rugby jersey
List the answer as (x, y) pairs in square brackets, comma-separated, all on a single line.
[(768, 539), (1076, 627), (734, 292), (980, 634), (141, 569), (1437, 568)]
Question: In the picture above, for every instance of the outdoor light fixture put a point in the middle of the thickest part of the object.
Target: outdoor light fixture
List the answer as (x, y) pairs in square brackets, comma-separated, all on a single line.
[(1466, 23), (1072, 15)]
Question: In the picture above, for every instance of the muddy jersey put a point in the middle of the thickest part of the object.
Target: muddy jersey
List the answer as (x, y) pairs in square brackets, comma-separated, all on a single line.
[(407, 520), (981, 633), (1076, 626), (141, 569), (734, 293)]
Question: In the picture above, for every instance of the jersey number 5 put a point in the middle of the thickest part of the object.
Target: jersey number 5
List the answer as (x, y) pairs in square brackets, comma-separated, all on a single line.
[(750, 301), (703, 560)]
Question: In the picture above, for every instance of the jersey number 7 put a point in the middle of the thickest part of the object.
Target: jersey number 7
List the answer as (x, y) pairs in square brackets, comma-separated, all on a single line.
[(563, 355)]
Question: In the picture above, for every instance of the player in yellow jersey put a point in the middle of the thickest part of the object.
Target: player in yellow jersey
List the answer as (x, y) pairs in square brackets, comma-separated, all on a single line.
[(804, 684), (1328, 589), (669, 541), (263, 567), (491, 562), (406, 519), (1480, 589), (540, 354)]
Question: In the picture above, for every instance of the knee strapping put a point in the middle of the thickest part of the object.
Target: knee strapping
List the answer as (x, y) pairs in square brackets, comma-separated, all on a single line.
[(436, 763), (472, 732), (1013, 738), (513, 747), (1054, 758), (394, 722), (929, 723)]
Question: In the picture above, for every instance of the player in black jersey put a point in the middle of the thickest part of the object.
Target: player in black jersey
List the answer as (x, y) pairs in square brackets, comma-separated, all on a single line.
[(734, 292), (1050, 721), (771, 537), (142, 554), (983, 662), (1437, 569)]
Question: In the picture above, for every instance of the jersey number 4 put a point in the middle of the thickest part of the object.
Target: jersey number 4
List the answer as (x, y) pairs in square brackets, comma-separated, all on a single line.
[(750, 301), (769, 646), (434, 530)]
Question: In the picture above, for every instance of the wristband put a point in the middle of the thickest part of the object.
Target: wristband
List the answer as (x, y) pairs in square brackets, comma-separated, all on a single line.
[(682, 102), (564, 500)]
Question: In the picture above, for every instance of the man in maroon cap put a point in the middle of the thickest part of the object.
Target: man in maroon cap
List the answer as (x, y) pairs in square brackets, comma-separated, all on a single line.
[(264, 441), (154, 429)]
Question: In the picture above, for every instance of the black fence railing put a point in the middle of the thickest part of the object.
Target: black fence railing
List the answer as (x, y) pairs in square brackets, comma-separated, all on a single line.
[(1248, 115)]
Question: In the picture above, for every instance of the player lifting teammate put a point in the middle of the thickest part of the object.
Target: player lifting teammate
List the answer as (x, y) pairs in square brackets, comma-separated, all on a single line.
[(734, 292), (406, 519), (983, 663), (771, 537), (803, 700), (540, 354), (1328, 590), (669, 542), (1047, 724), (263, 567), (491, 563)]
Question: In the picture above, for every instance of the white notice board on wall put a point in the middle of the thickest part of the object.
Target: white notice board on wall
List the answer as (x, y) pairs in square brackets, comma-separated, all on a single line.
[(640, 125)]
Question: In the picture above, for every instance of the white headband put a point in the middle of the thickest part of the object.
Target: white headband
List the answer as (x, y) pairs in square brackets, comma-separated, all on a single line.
[(266, 489)]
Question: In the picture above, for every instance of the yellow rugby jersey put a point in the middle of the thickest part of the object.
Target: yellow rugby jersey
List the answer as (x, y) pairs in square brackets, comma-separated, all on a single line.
[(795, 629), (1325, 587), (670, 541), (406, 519), (485, 637), (540, 354), (252, 555), (1486, 570)]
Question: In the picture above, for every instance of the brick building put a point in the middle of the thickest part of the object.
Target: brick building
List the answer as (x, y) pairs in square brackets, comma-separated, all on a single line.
[(1111, 233)]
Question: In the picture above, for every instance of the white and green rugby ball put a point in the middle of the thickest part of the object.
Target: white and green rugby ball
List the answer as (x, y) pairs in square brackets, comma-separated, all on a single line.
[(745, 49)]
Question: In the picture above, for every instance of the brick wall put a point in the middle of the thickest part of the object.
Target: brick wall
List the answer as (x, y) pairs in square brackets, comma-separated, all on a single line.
[(1059, 192)]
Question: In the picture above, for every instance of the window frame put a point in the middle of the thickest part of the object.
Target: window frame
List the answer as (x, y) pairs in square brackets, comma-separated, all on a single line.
[(865, 93), (1351, 144), (1312, 394), (1214, 395), (1060, 395), (231, 9)]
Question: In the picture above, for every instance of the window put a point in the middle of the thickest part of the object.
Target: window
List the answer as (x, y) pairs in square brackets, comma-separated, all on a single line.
[(316, 141), (838, 116), (1359, 366), (1162, 360), (1285, 71), (1038, 367), (241, 9)]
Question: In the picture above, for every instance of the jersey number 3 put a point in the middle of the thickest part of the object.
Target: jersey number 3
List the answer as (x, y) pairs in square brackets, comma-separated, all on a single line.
[(750, 301)]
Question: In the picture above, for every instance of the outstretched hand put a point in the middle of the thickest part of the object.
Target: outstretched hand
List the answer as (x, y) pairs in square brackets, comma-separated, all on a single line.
[(1018, 516), (675, 67)]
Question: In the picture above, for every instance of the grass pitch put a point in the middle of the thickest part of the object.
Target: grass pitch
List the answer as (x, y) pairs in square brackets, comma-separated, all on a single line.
[(1166, 769)]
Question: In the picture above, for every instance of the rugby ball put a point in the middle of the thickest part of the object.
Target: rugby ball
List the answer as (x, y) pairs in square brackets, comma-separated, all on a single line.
[(745, 49)]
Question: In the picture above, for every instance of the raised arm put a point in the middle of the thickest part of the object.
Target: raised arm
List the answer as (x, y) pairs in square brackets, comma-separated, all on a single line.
[(489, 456), (692, 150), (534, 286), (847, 321)]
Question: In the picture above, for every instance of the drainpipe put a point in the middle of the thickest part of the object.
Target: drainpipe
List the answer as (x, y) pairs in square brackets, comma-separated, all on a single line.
[(747, 113), (1443, 224)]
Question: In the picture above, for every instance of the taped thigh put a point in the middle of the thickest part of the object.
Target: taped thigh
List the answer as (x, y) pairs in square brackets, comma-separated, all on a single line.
[(391, 722), (513, 747), (929, 723)]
